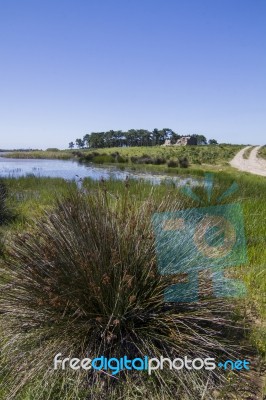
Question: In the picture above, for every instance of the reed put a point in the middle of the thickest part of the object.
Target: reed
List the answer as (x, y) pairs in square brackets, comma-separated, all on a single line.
[(82, 280)]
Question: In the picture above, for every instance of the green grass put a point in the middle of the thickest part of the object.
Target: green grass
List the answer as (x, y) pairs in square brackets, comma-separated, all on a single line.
[(262, 152), (197, 155), (251, 195), (41, 154), (247, 152), (29, 198)]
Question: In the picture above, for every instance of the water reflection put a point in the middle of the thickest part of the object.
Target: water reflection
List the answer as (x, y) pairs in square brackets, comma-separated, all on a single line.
[(10, 167)]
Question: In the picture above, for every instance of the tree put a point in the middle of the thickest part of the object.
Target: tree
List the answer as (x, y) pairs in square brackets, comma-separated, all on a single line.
[(174, 137), (133, 137), (155, 136), (71, 145), (163, 135), (97, 140), (80, 143), (213, 141), (86, 140), (201, 139)]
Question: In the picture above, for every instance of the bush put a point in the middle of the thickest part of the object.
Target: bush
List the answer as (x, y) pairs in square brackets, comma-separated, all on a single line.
[(133, 159), (88, 157), (183, 162), (52, 149), (172, 164), (103, 158), (121, 159), (77, 153), (159, 161), (144, 159), (115, 154), (84, 282)]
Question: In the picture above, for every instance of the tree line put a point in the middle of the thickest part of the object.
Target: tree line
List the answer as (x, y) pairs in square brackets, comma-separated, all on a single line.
[(132, 137)]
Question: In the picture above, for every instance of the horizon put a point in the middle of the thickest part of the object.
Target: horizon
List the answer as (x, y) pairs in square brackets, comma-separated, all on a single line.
[(73, 68), (86, 145)]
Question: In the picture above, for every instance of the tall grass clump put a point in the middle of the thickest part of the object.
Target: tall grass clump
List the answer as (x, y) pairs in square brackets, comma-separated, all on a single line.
[(5, 213), (83, 282)]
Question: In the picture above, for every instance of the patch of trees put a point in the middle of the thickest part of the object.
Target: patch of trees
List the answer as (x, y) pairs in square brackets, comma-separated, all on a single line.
[(130, 138)]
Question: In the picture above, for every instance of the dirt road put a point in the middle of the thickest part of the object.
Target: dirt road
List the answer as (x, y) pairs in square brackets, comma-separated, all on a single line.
[(253, 164)]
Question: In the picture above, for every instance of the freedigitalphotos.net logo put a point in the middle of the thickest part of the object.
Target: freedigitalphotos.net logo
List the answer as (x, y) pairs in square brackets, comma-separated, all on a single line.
[(114, 365), (198, 239)]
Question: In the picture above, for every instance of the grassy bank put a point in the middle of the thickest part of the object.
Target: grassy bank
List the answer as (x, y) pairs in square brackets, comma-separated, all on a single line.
[(29, 197), (157, 155), (41, 154)]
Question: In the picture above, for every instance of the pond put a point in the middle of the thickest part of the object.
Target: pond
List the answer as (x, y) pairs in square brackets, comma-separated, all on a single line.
[(11, 167)]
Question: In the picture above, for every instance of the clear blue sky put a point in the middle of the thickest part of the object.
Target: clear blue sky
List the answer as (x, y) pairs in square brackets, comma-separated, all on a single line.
[(71, 67)]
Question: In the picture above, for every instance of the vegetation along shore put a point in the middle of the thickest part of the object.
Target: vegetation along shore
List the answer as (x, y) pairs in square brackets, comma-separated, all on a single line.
[(49, 225)]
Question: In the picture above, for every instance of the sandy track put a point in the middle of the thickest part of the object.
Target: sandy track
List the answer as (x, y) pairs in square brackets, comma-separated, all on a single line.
[(253, 164)]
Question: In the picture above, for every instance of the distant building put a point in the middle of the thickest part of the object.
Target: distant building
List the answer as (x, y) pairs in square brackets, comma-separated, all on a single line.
[(167, 142), (186, 141), (183, 141)]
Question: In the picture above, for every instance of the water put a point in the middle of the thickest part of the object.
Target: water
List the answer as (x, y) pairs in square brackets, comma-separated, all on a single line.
[(69, 170)]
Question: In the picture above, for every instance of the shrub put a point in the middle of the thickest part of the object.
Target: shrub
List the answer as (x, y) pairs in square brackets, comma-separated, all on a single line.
[(77, 153), (88, 157), (52, 149), (121, 159), (159, 160), (172, 164), (183, 162), (84, 282), (115, 154), (144, 159), (103, 158), (134, 159)]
